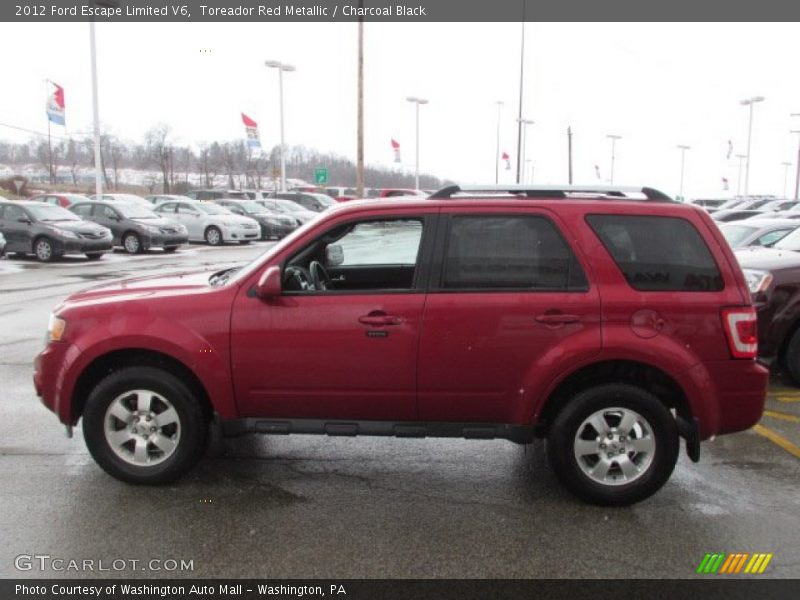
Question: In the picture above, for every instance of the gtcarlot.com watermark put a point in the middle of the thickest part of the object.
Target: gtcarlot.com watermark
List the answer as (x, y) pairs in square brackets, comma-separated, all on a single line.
[(56, 564)]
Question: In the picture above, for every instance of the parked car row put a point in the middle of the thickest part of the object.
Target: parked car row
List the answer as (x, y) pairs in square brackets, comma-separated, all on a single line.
[(54, 224)]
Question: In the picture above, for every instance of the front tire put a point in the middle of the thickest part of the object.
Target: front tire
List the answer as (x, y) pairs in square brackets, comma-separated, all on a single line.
[(132, 243), (613, 445), (94, 255), (142, 425), (170, 249), (213, 236), (44, 250)]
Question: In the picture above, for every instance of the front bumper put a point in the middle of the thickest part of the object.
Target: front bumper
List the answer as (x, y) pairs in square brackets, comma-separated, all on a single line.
[(165, 240), (239, 234), (270, 230), (49, 372), (84, 246)]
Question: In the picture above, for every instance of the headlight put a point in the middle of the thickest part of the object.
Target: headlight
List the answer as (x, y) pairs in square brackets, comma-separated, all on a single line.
[(55, 328), (65, 233), (757, 281), (182, 229)]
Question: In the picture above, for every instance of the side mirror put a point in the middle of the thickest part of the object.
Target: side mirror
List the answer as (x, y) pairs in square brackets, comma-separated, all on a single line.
[(334, 255), (25, 220), (269, 285)]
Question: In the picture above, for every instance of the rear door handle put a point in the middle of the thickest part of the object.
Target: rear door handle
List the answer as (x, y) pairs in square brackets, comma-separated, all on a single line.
[(380, 320), (557, 318)]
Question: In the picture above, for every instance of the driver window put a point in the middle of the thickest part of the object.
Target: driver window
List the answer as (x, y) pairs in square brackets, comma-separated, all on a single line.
[(366, 256)]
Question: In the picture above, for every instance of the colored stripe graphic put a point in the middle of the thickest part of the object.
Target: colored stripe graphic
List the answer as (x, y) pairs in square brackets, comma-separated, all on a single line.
[(721, 563)]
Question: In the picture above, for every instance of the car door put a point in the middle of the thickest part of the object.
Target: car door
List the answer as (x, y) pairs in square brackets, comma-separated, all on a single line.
[(18, 234), (192, 218), (509, 297), (342, 353), (107, 216)]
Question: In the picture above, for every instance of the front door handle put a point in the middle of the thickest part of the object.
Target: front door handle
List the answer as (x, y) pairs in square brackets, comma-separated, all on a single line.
[(557, 318), (379, 319)]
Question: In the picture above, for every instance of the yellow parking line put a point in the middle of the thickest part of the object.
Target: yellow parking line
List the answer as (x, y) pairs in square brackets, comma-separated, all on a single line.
[(782, 398), (778, 440), (782, 416)]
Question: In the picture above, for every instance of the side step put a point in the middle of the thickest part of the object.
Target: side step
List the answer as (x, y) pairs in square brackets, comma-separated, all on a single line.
[(521, 434)]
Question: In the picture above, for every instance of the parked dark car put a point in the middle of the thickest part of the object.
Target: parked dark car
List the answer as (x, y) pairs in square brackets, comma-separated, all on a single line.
[(63, 200), (735, 214), (217, 194), (612, 328), (135, 228), (273, 224), (50, 231), (308, 200)]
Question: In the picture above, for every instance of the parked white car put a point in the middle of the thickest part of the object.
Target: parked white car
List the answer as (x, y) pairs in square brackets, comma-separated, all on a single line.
[(209, 222)]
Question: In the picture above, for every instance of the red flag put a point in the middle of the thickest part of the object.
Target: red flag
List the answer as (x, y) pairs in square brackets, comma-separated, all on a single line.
[(248, 122), (251, 129), (55, 104), (507, 158), (396, 150)]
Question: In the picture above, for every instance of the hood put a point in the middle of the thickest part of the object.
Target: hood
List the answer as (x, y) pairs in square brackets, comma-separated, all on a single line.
[(77, 226), (153, 286), (767, 259), (159, 222), (235, 219)]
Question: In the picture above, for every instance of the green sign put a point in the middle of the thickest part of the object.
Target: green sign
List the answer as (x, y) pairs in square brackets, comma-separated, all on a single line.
[(320, 176)]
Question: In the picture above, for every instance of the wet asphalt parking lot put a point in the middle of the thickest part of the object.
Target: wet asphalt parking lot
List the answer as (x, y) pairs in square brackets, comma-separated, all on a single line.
[(304, 506)]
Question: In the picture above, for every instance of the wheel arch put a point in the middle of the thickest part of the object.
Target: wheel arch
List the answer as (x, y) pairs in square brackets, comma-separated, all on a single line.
[(656, 381)]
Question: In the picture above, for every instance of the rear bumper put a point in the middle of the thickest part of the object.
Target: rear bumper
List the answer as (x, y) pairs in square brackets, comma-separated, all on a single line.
[(726, 396)]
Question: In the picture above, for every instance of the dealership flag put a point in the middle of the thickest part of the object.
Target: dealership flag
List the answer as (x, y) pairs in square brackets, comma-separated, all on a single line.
[(507, 158), (251, 128), (55, 105), (730, 149), (725, 183), (396, 150), (597, 171)]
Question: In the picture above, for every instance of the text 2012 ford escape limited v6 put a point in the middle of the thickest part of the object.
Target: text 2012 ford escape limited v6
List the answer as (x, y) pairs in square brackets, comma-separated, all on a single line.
[(610, 321)]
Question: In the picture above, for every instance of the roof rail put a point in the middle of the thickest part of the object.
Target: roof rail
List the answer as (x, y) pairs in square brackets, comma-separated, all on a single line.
[(554, 191)]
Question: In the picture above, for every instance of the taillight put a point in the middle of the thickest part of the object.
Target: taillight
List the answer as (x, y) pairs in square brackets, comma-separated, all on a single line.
[(741, 329)]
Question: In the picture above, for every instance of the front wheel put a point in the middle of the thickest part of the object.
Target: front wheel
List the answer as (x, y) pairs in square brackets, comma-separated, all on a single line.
[(44, 251), (132, 243), (94, 255), (613, 445), (143, 425), (213, 236), (170, 249)]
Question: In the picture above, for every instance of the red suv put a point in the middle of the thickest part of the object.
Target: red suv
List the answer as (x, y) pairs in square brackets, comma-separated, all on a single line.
[(612, 322)]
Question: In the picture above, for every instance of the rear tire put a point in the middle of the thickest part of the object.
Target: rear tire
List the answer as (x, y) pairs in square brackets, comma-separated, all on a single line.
[(792, 357), (613, 445), (142, 425)]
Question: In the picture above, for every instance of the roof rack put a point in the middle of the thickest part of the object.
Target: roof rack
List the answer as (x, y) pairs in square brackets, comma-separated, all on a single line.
[(554, 191)]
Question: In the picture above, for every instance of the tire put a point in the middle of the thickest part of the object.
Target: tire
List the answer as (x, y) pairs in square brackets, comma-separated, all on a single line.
[(650, 445), (244, 242), (132, 243), (170, 249), (94, 255), (792, 357), (44, 250), (213, 236), (175, 428)]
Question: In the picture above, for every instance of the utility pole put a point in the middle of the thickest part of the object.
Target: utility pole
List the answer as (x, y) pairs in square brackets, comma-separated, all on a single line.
[(569, 153), (521, 86), (786, 166), (613, 139), (683, 148), (360, 118), (741, 158), (797, 176), (497, 145), (749, 102)]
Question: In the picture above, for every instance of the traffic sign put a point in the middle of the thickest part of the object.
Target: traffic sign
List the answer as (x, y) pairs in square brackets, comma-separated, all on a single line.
[(321, 176)]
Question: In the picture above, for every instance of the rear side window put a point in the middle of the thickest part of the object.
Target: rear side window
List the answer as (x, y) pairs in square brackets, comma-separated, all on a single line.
[(509, 253), (658, 254), (82, 210)]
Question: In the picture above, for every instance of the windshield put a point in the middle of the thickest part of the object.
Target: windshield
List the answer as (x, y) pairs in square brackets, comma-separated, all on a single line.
[(289, 206), (736, 234), (212, 209), (790, 242), (237, 195), (51, 213), (252, 207), (324, 199), (135, 211)]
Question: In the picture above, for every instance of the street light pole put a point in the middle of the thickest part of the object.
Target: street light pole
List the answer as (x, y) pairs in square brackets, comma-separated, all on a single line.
[(497, 145), (683, 150), (741, 158), (797, 176), (274, 64), (749, 102), (521, 87), (613, 139), (98, 162), (786, 166), (524, 138), (417, 102)]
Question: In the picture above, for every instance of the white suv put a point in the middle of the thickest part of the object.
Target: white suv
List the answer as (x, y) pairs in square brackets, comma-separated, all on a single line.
[(210, 222)]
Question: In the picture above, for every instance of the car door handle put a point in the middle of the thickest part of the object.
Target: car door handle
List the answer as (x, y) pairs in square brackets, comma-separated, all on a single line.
[(557, 318), (379, 320)]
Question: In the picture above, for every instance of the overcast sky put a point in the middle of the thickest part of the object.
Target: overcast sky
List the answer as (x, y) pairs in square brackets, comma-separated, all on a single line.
[(656, 85)]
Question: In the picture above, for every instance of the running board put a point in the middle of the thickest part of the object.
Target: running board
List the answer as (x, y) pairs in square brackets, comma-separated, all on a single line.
[(521, 434)]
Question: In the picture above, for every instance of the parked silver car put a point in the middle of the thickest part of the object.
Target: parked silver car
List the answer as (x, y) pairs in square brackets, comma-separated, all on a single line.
[(209, 222), (757, 232)]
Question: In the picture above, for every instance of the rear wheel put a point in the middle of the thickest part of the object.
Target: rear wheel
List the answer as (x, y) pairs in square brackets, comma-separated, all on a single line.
[(142, 425), (614, 444), (132, 243), (213, 236), (792, 357), (44, 250)]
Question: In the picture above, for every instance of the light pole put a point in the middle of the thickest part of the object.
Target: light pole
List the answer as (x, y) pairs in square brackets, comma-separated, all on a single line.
[(417, 102), (524, 138), (786, 166), (683, 150), (521, 88), (274, 64), (613, 139), (497, 145), (749, 102), (741, 158), (797, 176)]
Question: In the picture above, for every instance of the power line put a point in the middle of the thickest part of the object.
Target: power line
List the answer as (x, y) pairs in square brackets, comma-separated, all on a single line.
[(43, 134)]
